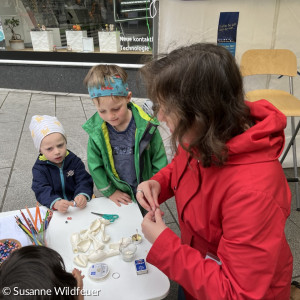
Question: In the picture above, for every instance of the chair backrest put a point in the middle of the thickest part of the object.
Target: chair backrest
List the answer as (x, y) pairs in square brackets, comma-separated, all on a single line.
[(268, 61)]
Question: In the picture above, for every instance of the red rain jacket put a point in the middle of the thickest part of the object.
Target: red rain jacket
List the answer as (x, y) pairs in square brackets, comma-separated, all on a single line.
[(236, 212)]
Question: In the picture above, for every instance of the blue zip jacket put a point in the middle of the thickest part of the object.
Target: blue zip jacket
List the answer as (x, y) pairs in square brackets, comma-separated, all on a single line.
[(51, 183)]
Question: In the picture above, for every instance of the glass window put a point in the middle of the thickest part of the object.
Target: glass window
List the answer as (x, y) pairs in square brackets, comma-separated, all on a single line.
[(108, 26)]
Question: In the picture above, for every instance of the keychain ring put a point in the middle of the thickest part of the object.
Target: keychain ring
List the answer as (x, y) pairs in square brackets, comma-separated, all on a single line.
[(115, 275)]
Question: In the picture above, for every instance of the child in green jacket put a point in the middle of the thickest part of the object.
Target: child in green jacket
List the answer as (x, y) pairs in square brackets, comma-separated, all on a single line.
[(125, 146)]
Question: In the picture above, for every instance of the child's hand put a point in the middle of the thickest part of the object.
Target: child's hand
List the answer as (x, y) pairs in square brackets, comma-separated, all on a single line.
[(120, 197), (80, 201), (62, 205), (77, 274)]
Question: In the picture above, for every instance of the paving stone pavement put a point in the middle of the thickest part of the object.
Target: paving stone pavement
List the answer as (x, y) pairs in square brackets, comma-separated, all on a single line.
[(17, 154)]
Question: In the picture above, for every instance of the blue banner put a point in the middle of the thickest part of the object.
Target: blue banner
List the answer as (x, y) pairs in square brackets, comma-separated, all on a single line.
[(227, 30)]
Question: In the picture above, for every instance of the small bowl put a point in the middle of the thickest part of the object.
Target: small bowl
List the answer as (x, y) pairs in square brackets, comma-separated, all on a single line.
[(136, 238)]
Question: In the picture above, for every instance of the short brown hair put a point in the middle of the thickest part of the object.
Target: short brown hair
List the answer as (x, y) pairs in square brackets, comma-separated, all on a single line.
[(202, 85)]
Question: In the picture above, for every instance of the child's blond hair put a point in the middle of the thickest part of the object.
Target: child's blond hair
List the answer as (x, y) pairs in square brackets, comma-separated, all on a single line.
[(98, 74)]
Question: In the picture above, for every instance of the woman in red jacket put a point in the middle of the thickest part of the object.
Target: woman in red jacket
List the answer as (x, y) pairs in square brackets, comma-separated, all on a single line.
[(231, 193)]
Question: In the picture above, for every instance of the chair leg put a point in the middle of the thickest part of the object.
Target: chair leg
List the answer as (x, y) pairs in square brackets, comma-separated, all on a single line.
[(292, 144), (296, 179), (295, 164)]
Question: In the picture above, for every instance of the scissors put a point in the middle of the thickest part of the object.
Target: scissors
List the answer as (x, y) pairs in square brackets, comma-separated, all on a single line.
[(111, 218)]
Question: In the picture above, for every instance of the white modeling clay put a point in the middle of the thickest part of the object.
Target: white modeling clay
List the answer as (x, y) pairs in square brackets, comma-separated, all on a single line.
[(84, 245), (82, 241), (97, 256), (96, 243), (75, 238), (95, 225), (112, 252), (84, 234), (100, 255), (105, 237), (114, 246), (105, 222), (94, 233), (81, 260)]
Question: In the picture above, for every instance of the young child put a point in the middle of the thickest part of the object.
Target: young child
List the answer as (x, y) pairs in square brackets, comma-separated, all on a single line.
[(37, 270), (125, 147), (231, 193), (59, 176)]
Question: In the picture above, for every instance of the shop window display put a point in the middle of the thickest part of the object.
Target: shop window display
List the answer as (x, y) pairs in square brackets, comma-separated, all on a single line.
[(123, 26)]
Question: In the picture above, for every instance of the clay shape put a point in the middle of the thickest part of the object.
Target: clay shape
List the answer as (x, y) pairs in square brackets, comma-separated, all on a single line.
[(95, 225), (75, 238), (112, 252), (81, 260), (84, 245), (114, 246), (105, 237), (96, 243), (105, 221), (84, 234), (123, 241), (97, 256)]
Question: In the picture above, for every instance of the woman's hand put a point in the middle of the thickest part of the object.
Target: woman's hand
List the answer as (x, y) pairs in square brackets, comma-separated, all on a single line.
[(147, 194), (153, 225), (119, 197)]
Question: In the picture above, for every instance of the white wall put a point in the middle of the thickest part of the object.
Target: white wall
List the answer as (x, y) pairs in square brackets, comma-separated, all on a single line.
[(262, 24)]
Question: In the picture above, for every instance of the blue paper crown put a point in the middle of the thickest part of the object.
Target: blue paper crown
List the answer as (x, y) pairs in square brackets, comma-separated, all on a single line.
[(116, 88)]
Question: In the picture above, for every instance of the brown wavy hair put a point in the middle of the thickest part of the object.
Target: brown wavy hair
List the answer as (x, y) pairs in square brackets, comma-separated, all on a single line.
[(201, 84)]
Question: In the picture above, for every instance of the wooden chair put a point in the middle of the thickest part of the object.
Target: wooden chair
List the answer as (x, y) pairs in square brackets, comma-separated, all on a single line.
[(276, 62)]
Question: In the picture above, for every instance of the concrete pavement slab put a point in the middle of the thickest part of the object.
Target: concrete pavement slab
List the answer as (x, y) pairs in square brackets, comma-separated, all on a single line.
[(73, 126), (18, 196), (69, 113), (4, 178), (89, 113), (78, 146), (7, 153), (2, 98), (16, 114), (42, 97)]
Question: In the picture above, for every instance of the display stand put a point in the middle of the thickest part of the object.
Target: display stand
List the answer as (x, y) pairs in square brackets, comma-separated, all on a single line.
[(42, 40), (109, 41), (74, 39)]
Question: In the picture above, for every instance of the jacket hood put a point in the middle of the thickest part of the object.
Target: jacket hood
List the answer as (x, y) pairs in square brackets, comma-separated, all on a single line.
[(96, 122), (265, 137), (42, 160)]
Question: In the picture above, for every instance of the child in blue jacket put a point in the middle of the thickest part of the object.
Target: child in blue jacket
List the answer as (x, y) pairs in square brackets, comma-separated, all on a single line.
[(59, 179)]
